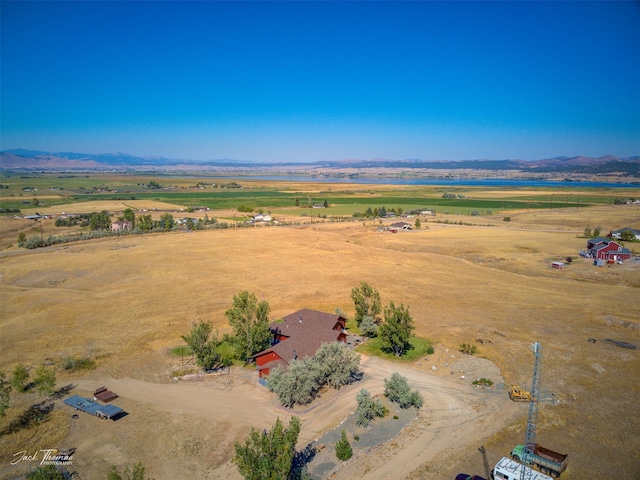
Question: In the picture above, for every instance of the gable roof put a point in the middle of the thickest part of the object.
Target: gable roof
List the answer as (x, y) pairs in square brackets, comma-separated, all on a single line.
[(306, 330)]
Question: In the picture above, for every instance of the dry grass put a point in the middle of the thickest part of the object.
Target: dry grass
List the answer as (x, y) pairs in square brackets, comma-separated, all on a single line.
[(122, 297)]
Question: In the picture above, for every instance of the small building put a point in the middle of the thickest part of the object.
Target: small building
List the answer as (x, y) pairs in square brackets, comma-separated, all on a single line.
[(617, 234), (120, 225), (298, 336), (400, 226)]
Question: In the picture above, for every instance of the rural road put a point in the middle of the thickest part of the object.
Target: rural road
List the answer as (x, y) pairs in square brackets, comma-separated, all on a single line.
[(455, 414)]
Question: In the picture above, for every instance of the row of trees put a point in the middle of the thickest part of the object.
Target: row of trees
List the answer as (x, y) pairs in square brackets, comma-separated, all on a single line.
[(376, 212)]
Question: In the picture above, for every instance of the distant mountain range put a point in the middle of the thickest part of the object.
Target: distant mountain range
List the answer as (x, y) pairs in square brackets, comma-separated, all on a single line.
[(34, 159)]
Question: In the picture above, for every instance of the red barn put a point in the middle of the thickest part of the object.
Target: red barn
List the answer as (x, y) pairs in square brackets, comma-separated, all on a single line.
[(297, 336), (604, 249)]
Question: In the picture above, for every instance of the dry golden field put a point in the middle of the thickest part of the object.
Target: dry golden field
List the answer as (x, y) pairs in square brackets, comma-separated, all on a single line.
[(126, 300)]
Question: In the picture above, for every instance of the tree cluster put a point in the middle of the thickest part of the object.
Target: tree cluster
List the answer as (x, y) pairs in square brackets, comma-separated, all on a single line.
[(334, 365), (268, 455), (397, 390), (249, 319)]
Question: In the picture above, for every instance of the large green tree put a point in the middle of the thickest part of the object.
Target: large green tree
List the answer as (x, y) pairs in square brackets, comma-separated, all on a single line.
[(250, 322), (366, 300), (268, 455), (395, 331), (100, 221), (204, 345), (129, 216)]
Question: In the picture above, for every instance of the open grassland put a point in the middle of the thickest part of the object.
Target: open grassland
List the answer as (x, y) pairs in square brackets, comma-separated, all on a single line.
[(126, 300)]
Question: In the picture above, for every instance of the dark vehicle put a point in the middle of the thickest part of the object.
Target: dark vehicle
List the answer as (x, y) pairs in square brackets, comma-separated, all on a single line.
[(464, 476)]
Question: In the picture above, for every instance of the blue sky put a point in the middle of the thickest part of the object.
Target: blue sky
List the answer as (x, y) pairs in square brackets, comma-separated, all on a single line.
[(307, 81)]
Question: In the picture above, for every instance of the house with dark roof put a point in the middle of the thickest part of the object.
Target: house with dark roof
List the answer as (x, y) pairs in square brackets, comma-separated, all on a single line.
[(617, 234), (298, 336)]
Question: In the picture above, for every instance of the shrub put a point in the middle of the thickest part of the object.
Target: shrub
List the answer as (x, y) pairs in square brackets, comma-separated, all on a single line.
[(78, 364), (483, 381), (343, 448), (468, 349), (506, 219), (397, 390), (368, 408)]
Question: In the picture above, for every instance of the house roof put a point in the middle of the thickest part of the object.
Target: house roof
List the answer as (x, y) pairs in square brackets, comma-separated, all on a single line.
[(597, 240), (626, 229), (306, 330), (400, 224)]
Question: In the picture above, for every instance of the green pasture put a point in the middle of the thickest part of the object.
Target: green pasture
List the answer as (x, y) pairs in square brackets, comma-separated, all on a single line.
[(57, 189)]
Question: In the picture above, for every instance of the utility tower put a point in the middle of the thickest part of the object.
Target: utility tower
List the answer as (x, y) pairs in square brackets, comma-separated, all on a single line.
[(532, 420)]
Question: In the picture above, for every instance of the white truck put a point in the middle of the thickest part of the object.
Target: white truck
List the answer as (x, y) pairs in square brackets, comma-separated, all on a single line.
[(507, 469)]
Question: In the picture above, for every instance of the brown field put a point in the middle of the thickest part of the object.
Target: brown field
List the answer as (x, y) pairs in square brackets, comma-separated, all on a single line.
[(126, 300)]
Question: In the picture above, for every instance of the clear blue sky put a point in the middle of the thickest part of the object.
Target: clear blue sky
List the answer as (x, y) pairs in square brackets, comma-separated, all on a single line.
[(307, 81)]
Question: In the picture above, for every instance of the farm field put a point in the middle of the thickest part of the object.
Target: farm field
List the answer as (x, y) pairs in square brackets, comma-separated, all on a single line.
[(127, 300)]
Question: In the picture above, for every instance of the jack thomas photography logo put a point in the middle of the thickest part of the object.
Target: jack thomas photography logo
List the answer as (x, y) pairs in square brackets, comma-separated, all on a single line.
[(47, 456)]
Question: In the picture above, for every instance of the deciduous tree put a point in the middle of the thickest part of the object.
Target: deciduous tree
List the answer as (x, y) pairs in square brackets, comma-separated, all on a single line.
[(395, 331), (366, 300), (268, 455), (336, 364), (250, 322), (204, 346), (45, 381)]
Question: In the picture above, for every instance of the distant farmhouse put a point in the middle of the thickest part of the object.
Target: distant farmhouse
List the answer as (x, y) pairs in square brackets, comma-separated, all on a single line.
[(617, 234), (120, 226), (606, 250), (297, 336), (394, 227)]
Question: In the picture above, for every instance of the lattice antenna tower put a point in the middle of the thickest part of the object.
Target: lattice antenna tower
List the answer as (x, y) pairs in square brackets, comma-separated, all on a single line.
[(532, 420)]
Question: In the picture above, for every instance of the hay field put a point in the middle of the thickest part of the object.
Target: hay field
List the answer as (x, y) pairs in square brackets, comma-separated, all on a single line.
[(120, 298)]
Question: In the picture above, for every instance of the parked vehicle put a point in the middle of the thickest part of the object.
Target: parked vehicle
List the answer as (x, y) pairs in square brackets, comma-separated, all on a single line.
[(507, 469), (547, 461), (464, 476), (519, 394)]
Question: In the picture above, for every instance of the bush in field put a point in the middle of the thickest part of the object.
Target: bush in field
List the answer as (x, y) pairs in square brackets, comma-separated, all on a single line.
[(368, 408), (78, 364), (468, 349), (19, 378), (397, 390)]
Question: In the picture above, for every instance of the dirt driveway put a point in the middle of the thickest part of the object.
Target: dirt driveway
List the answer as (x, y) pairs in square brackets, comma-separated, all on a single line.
[(199, 422)]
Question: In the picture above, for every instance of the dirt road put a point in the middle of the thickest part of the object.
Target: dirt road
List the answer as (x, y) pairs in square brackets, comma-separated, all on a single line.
[(455, 415)]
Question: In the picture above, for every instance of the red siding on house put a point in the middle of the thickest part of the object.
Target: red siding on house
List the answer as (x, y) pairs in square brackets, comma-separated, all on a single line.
[(266, 358)]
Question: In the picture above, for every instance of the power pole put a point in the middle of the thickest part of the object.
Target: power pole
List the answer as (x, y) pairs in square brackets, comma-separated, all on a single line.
[(532, 420)]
